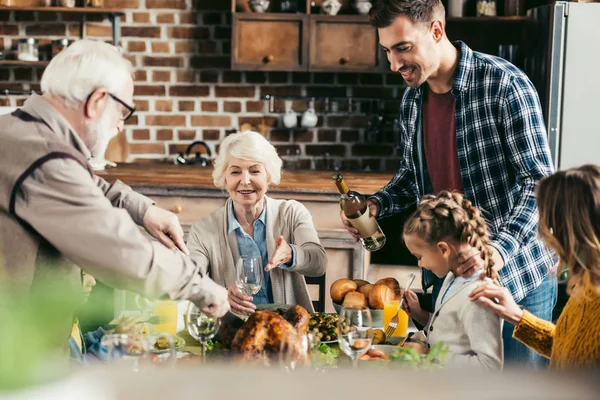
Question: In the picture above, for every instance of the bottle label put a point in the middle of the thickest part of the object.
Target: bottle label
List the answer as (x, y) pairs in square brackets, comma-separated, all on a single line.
[(366, 225)]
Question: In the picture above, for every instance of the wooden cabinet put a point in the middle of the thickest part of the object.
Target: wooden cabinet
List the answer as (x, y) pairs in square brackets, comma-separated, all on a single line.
[(344, 43), (270, 42)]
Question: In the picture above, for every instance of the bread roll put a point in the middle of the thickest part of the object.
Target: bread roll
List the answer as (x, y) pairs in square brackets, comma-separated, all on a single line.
[(360, 283), (339, 289), (379, 295), (355, 300), (393, 284), (365, 289)]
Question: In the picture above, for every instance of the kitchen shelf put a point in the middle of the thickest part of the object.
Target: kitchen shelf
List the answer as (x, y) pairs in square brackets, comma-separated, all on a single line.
[(19, 63), (114, 14), (76, 10), (511, 18)]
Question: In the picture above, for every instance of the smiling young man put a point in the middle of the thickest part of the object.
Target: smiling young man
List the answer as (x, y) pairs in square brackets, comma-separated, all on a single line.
[(472, 123)]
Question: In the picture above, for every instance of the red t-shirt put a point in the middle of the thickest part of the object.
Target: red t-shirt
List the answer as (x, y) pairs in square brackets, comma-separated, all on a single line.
[(439, 141)]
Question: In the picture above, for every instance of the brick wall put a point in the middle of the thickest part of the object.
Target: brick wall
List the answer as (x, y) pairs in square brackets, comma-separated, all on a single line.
[(186, 91)]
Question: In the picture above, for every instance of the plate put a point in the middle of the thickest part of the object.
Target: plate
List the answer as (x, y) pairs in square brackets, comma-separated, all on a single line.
[(179, 343), (329, 341)]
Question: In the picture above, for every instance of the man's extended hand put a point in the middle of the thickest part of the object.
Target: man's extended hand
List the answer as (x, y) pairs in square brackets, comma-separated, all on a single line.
[(471, 262), (165, 227)]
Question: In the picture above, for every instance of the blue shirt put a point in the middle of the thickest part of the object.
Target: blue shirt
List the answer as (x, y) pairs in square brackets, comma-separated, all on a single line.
[(502, 151), (256, 245)]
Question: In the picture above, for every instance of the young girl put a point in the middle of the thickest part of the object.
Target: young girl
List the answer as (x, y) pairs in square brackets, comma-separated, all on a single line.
[(443, 227), (569, 206)]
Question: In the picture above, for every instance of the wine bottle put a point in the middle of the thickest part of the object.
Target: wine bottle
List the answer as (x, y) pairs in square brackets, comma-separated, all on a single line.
[(355, 208)]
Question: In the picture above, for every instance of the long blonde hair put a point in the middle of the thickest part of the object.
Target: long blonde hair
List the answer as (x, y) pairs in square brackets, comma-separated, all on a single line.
[(450, 215), (569, 207)]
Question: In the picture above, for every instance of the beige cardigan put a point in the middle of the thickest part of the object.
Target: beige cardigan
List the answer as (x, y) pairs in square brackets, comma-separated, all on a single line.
[(472, 333), (214, 250)]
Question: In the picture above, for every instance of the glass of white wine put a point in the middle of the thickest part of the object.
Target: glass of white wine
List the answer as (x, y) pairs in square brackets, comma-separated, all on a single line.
[(355, 332), (201, 327), (249, 274)]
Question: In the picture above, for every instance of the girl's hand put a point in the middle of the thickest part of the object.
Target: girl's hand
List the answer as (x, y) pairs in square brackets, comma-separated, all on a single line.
[(239, 302), (499, 300), (412, 307), (282, 255)]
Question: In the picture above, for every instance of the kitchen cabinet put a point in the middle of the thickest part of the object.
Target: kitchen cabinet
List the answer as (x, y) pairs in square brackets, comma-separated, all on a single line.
[(310, 41), (343, 43), (270, 42)]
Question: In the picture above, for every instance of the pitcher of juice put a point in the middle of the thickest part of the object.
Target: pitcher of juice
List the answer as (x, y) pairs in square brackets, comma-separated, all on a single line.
[(389, 310), (164, 310)]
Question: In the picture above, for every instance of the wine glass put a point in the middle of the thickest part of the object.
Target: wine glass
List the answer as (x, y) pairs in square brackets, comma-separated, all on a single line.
[(201, 327), (355, 332), (132, 350), (249, 274), (295, 350)]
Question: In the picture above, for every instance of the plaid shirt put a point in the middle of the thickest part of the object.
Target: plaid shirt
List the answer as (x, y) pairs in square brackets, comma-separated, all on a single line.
[(502, 150)]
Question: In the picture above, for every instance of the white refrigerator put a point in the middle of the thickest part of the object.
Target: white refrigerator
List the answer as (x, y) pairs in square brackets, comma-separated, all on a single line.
[(564, 65)]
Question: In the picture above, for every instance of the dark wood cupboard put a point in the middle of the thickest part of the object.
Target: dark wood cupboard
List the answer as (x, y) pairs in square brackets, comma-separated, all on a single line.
[(346, 43), (270, 42)]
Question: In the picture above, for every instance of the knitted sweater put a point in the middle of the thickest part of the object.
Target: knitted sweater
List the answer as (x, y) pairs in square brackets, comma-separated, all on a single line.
[(575, 340)]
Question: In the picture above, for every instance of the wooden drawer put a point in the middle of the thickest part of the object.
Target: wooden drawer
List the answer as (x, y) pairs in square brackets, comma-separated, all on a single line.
[(347, 44), (277, 42)]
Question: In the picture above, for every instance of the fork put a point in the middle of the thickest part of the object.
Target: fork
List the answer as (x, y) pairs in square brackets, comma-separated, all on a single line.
[(394, 322), (155, 320)]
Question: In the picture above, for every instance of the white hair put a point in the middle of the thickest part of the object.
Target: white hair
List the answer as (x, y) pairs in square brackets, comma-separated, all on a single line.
[(83, 67), (248, 146)]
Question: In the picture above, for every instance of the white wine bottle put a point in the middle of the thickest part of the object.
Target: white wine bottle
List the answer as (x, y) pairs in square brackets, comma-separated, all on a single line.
[(355, 207)]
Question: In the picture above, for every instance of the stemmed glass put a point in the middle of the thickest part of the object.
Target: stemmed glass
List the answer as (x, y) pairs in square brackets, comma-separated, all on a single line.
[(355, 332), (249, 275), (296, 350), (201, 327)]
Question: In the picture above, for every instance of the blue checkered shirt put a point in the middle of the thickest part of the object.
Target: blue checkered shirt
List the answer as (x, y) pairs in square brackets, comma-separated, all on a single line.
[(502, 150)]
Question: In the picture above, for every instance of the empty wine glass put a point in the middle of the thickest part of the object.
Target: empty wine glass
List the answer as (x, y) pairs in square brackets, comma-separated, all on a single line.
[(201, 327), (249, 275), (295, 350), (355, 332)]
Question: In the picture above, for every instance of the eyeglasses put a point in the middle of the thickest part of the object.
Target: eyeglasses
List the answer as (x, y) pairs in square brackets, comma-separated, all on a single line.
[(127, 111)]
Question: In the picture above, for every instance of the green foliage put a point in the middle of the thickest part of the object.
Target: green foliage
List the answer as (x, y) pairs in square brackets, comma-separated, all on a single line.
[(34, 331), (408, 357)]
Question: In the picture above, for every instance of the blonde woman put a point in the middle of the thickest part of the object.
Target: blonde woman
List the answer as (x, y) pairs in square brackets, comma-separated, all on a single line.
[(280, 232)]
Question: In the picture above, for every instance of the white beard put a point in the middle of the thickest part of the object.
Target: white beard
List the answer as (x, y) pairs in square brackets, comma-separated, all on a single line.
[(102, 132)]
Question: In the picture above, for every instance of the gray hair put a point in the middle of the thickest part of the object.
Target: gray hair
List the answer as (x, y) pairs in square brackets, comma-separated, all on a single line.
[(248, 146), (83, 67)]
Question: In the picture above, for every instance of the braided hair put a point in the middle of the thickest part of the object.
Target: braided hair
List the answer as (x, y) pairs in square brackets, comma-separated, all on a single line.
[(450, 215)]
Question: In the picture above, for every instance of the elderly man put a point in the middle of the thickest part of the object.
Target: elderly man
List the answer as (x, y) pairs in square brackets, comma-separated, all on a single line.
[(56, 216)]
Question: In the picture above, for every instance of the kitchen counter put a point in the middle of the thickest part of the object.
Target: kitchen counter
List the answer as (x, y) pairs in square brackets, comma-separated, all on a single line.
[(182, 180)]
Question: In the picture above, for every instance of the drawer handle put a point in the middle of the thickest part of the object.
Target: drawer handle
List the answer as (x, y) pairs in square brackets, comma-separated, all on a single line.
[(268, 59), (344, 60), (177, 209)]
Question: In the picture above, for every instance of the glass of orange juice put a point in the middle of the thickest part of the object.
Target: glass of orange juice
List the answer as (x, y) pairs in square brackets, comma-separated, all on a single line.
[(165, 310), (389, 310)]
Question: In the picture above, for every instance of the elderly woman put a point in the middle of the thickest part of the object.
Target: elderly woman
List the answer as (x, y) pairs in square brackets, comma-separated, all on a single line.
[(280, 232)]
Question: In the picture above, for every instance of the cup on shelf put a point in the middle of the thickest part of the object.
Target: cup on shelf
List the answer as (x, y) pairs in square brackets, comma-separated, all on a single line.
[(309, 118), (290, 120), (362, 7), (259, 6), (330, 7)]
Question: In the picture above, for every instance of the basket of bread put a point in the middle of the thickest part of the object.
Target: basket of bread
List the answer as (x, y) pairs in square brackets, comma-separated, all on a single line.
[(358, 293)]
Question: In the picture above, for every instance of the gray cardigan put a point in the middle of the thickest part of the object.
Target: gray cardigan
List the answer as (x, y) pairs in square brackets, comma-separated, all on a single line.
[(214, 250)]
